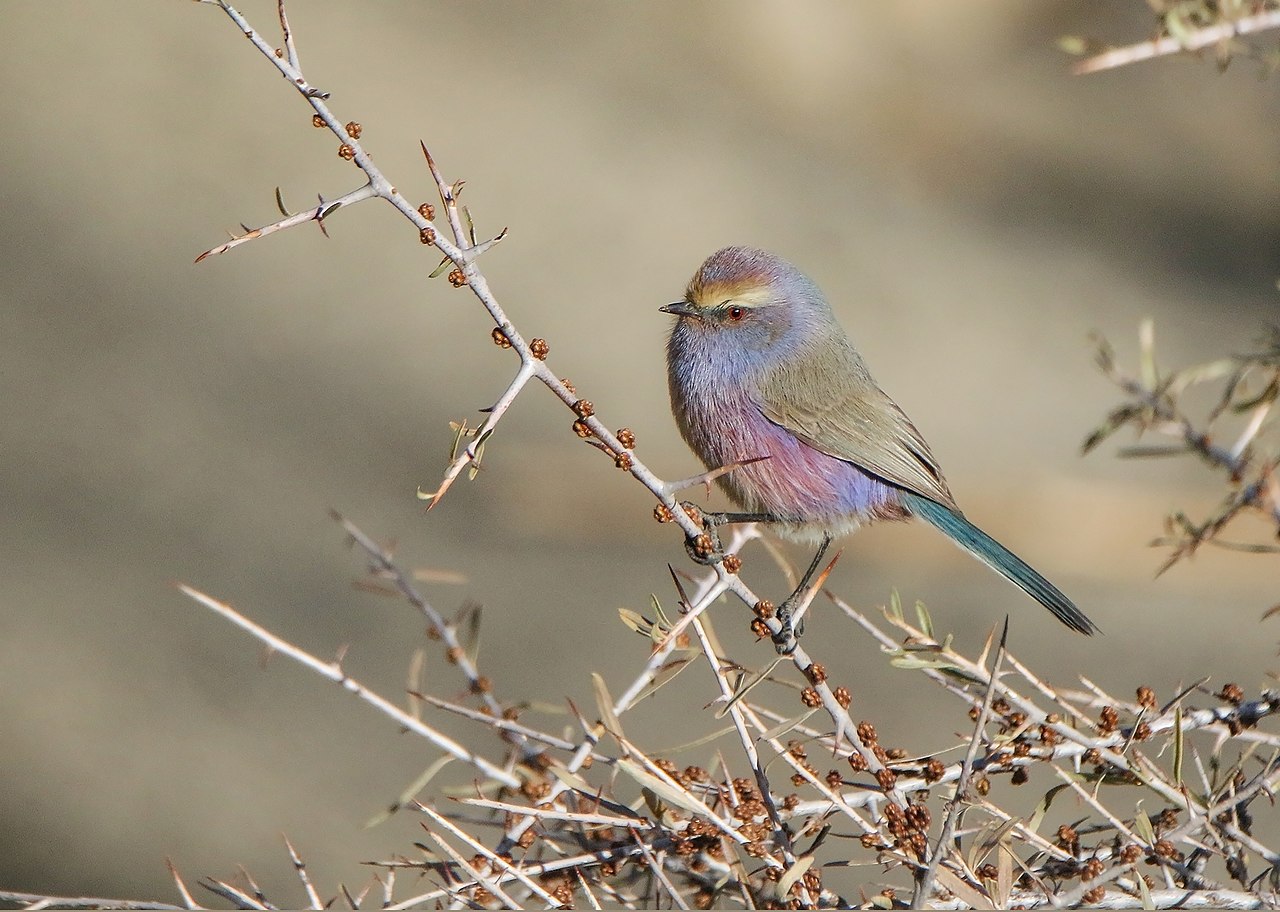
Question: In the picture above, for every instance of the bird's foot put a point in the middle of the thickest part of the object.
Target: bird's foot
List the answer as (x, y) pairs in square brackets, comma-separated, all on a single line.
[(703, 548), (787, 639)]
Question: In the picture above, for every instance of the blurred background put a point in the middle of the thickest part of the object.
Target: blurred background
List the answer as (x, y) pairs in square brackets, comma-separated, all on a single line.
[(972, 210)]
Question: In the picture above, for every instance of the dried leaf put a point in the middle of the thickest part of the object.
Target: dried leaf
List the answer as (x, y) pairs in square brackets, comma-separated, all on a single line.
[(793, 874), (671, 794), (968, 894), (604, 703)]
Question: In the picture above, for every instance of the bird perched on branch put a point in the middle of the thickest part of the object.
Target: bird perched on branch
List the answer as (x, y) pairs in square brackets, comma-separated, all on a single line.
[(759, 367)]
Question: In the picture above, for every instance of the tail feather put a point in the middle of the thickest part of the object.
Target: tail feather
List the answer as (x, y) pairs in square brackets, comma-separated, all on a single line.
[(953, 524)]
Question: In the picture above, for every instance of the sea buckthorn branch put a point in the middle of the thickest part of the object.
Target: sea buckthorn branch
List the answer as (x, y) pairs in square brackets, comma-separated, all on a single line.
[(1250, 389), (463, 253), (1183, 28), (334, 672), (561, 802)]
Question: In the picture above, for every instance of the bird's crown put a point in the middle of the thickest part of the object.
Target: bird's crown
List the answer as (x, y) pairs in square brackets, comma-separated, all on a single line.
[(744, 275)]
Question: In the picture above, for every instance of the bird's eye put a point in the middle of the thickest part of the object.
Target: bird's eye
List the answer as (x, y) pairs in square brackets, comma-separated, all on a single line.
[(736, 314)]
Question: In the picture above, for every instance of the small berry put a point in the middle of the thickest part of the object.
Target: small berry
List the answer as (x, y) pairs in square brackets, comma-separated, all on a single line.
[(662, 513), (857, 762), (816, 673), (482, 685), (704, 545), (584, 408), (317, 121), (454, 654), (427, 211), (1141, 731), (866, 733), (918, 816), (627, 438), (539, 349), (1232, 693), (1147, 697), (499, 337), (763, 609), (834, 779), (983, 785), (581, 428), (1109, 720), (427, 235), (457, 278), (1020, 776), (886, 779), (934, 770), (564, 381), (732, 563), (1094, 896), (353, 129), (346, 152), (843, 697), (623, 461), (809, 697)]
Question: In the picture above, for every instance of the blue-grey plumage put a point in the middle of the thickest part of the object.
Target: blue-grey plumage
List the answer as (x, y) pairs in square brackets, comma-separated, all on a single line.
[(759, 366)]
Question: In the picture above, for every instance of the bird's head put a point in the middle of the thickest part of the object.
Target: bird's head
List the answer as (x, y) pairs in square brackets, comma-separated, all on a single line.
[(753, 301)]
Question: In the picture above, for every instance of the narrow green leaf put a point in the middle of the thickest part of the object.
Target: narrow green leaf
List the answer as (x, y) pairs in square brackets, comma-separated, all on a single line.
[(410, 791), (1177, 746), (1142, 825), (1037, 816), (781, 729), (926, 622)]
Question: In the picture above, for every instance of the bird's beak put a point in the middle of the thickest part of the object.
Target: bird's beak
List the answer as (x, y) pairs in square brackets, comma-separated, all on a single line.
[(680, 309)]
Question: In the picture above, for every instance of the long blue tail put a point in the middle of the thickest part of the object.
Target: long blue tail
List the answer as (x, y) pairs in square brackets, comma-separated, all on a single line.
[(954, 526)]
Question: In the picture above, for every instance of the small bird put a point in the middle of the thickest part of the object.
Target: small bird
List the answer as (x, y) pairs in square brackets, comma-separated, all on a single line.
[(759, 367)]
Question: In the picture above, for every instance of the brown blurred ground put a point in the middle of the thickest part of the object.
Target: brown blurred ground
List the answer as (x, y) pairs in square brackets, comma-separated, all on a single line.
[(972, 210)]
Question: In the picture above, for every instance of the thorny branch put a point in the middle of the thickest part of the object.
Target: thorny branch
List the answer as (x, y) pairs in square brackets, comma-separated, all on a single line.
[(1242, 409), (596, 816), (1188, 26)]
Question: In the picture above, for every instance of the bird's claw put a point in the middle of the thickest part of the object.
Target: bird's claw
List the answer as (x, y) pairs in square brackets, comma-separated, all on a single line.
[(787, 639), (703, 548), (701, 517)]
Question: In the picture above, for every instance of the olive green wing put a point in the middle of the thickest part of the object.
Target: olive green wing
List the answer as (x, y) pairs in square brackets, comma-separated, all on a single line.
[(833, 405)]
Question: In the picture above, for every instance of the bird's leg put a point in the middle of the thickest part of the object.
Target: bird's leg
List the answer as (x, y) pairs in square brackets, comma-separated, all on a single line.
[(698, 550), (785, 639)]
